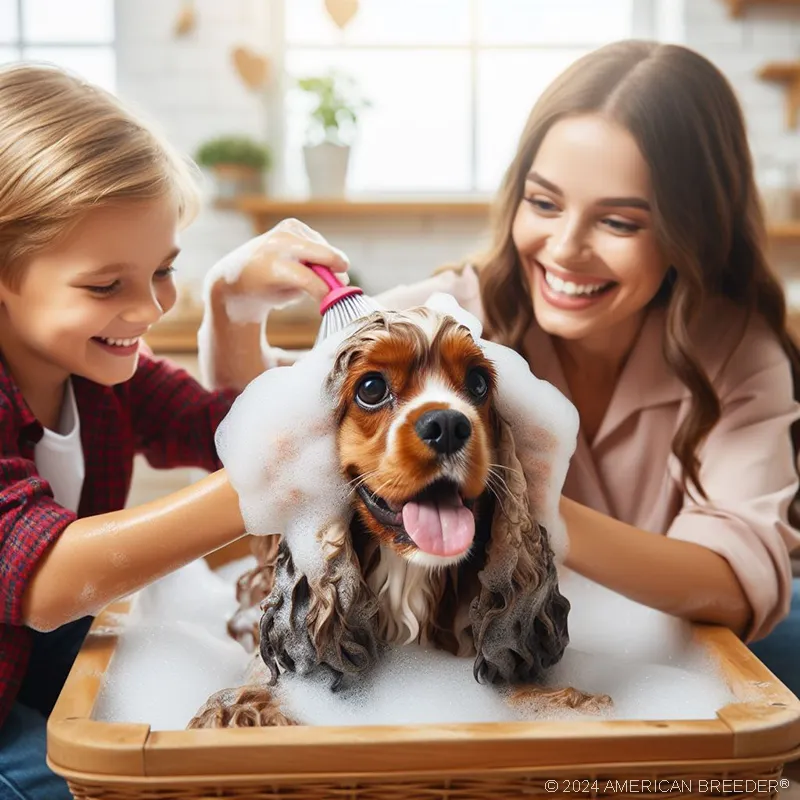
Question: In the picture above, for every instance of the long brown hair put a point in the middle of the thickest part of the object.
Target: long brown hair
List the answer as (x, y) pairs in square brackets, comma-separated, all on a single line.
[(689, 127)]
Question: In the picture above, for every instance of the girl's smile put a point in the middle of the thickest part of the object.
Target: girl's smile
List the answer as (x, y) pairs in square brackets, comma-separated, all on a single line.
[(118, 347)]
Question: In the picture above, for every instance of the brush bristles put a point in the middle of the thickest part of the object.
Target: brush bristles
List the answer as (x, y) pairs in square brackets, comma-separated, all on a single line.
[(344, 313)]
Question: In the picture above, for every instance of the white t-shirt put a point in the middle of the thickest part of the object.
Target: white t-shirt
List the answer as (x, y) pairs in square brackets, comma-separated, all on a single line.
[(59, 455)]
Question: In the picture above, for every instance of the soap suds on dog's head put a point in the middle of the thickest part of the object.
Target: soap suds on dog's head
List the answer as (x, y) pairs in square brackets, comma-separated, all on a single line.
[(278, 443)]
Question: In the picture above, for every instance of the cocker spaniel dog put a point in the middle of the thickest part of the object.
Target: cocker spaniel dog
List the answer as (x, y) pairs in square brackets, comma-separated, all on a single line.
[(447, 535)]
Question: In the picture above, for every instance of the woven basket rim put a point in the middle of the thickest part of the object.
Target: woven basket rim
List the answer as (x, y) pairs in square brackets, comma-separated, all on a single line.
[(665, 769)]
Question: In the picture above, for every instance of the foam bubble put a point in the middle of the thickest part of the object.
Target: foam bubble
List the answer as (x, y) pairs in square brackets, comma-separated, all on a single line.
[(233, 570), (192, 594), (161, 674), (173, 650), (173, 654), (414, 686), (447, 305), (278, 443), (545, 425)]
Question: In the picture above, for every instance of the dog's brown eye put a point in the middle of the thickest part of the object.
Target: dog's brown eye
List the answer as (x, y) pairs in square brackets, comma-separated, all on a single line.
[(372, 391), (477, 383)]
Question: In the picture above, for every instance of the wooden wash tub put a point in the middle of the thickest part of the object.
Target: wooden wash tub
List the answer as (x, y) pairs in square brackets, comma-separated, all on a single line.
[(742, 752)]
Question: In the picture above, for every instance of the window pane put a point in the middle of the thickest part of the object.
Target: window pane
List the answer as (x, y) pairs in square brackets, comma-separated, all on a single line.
[(95, 64), (546, 22), (8, 21), (414, 22), (72, 21), (501, 115), (415, 137), (8, 54)]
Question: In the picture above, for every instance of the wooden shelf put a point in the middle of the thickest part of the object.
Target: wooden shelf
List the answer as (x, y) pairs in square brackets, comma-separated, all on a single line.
[(292, 328), (784, 231), (779, 71), (268, 207), (366, 207), (788, 74), (738, 7), (173, 337), (265, 211)]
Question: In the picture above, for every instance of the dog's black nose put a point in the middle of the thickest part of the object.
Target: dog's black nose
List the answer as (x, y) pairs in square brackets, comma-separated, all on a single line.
[(445, 430)]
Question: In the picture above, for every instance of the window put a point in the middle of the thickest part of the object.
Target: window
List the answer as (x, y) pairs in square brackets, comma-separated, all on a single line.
[(451, 82), (77, 35)]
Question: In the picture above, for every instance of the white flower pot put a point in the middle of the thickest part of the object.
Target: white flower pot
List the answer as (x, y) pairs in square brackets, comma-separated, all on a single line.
[(326, 167)]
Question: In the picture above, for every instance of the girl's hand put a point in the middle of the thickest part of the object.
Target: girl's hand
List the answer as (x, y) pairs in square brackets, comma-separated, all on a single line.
[(270, 271)]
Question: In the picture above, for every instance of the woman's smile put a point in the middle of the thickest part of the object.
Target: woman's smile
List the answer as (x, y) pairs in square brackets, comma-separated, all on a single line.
[(569, 291)]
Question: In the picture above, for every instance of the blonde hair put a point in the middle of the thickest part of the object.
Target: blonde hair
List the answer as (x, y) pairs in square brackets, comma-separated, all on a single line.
[(67, 147)]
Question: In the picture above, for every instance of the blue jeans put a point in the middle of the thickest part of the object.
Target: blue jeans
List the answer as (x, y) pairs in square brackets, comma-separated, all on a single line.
[(24, 775), (780, 650)]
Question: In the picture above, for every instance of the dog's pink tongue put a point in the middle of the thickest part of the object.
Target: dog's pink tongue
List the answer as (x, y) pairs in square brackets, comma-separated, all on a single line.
[(441, 529)]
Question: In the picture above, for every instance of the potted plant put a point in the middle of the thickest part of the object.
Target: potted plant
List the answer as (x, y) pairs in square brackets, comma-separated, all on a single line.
[(238, 164), (334, 116)]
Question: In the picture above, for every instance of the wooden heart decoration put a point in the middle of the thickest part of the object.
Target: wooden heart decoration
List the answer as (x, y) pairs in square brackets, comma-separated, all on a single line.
[(186, 21), (252, 68), (341, 11)]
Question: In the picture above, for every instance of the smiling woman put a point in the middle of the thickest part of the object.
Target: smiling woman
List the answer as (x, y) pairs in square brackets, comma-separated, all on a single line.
[(589, 245)]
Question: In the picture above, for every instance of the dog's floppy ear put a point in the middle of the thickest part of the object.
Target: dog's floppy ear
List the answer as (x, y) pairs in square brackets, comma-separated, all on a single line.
[(519, 619), (324, 621), (281, 459), (545, 425)]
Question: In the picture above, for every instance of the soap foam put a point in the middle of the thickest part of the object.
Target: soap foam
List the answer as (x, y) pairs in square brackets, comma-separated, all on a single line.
[(278, 444)]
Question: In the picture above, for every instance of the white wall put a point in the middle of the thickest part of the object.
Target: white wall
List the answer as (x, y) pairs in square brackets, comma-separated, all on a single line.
[(739, 47), (188, 85), (189, 89)]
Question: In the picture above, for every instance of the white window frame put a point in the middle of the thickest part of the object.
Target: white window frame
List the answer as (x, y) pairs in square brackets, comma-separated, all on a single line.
[(22, 43), (652, 19)]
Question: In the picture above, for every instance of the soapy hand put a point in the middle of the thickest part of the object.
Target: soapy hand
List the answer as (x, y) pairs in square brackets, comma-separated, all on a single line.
[(270, 271)]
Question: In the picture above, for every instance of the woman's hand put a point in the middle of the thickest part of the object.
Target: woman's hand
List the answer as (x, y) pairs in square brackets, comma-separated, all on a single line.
[(271, 270)]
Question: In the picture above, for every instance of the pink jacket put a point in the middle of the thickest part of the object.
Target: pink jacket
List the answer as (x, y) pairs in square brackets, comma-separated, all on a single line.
[(629, 472)]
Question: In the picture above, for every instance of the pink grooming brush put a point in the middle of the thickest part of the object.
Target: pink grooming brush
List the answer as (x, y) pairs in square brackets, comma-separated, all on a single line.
[(342, 306)]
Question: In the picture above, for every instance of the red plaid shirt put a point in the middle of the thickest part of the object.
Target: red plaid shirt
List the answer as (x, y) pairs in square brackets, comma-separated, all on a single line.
[(161, 412)]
